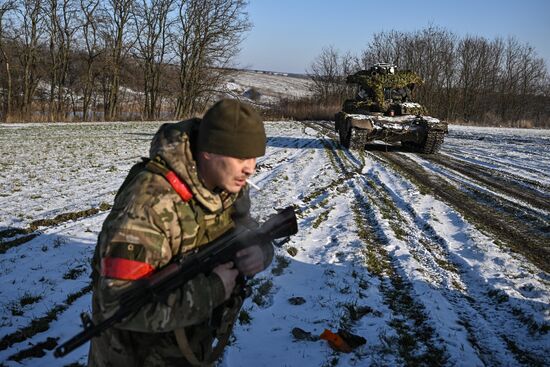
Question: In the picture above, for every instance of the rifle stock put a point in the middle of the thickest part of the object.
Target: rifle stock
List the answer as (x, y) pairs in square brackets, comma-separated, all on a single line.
[(172, 276)]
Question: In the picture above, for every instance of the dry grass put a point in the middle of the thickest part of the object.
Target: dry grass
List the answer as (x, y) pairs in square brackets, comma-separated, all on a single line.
[(307, 108), (490, 119), (303, 109)]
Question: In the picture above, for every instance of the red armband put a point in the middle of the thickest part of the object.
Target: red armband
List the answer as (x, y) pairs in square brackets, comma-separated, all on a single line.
[(124, 269)]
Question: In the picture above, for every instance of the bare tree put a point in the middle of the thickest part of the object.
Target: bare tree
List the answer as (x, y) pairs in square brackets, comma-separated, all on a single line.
[(206, 39), (510, 78), (90, 27), (328, 73), (446, 101), (385, 47), (470, 78), (56, 40), (31, 22), (6, 7), (152, 24), (435, 64), (117, 46), (62, 26), (533, 76), (472, 55)]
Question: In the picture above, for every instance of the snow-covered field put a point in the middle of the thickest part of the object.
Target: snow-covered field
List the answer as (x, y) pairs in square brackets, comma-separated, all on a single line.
[(523, 152), (412, 268)]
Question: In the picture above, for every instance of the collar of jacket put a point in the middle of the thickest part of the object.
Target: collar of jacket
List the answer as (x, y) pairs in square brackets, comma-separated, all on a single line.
[(172, 143)]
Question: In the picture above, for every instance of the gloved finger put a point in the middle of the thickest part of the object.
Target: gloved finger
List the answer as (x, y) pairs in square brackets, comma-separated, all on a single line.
[(248, 262), (250, 266), (227, 265), (250, 251), (245, 252), (251, 271)]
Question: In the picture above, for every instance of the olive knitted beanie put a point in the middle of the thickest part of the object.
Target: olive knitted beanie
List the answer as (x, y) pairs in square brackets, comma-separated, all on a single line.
[(233, 129)]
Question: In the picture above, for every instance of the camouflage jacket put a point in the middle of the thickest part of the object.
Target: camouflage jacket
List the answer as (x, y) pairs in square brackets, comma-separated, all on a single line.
[(148, 225)]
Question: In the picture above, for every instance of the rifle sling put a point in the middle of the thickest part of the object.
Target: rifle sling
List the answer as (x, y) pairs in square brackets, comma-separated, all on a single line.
[(224, 332)]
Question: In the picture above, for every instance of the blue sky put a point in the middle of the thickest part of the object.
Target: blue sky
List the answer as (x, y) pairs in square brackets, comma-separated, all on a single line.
[(288, 34)]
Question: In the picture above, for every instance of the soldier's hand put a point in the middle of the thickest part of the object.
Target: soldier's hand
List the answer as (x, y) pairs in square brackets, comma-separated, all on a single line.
[(228, 275), (250, 260)]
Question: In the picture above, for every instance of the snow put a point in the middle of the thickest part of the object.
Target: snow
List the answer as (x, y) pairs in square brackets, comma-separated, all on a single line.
[(449, 266), (394, 122), (358, 116), (522, 152), (411, 104)]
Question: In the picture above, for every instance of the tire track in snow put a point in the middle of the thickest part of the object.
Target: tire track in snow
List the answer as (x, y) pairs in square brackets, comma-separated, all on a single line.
[(534, 203), (536, 220), (466, 293), (529, 191), (506, 228), (410, 322), (428, 260), (494, 347), (315, 206), (62, 283), (503, 165), (417, 341)]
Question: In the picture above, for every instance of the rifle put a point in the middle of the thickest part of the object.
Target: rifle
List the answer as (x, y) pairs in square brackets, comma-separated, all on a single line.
[(161, 283)]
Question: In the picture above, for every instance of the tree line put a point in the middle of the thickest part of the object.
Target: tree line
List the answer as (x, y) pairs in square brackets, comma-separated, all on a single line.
[(114, 59), (89, 60), (466, 79)]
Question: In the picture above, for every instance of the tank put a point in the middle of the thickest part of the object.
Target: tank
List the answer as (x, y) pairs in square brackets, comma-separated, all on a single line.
[(383, 110)]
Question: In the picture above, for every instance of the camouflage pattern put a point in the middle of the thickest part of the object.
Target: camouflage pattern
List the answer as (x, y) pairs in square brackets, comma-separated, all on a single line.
[(149, 223), (374, 84)]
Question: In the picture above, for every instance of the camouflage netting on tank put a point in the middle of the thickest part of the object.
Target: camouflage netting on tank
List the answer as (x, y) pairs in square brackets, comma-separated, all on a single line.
[(355, 106), (374, 83)]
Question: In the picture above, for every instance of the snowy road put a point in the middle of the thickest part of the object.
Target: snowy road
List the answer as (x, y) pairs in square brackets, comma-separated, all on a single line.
[(435, 260)]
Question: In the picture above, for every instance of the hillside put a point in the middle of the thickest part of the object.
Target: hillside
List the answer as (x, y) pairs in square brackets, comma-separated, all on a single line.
[(267, 87)]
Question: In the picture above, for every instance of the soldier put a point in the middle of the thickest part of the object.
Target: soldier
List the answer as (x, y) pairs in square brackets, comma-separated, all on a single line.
[(191, 191)]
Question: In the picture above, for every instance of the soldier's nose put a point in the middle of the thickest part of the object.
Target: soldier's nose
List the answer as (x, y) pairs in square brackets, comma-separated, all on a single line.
[(249, 166)]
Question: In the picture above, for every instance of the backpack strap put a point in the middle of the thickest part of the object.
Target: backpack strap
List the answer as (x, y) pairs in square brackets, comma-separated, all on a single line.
[(157, 166)]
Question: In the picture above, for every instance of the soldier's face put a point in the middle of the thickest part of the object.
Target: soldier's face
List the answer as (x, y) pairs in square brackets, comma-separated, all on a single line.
[(225, 172)]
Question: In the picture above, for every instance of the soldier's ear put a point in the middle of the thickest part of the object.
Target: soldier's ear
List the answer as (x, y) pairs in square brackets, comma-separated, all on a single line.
[(205, 156)]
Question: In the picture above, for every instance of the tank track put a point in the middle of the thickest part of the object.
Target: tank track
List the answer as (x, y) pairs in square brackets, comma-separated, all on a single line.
[(359, 138), (434, 139)]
